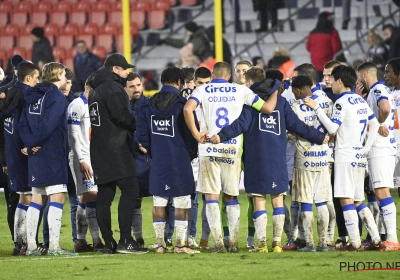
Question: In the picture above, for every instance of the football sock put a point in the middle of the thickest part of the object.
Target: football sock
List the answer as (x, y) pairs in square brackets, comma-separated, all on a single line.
[(54, 219), (250, 222), (368, 220), (374, 207), (322, 222), (20, 222), (308, 223), (332, 223), (81, 223), (233, 214), (214, 221), (294, 209), (91, 220), (137, 223), (351, 221), (224, 220), (278, 221), (205, 228), (389, 218), (260, 223), (181, 229), (287, 226), (159, 228), (381, 225), (32, 220)]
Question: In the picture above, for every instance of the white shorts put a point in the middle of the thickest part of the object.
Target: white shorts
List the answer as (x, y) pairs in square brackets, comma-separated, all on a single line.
[(25, 193), (265, 195), (381, 170), (61, 188), (311, 186), (349, 180), (396, 174), (82, 185), (216, 174), (181, 202), (195, 169)]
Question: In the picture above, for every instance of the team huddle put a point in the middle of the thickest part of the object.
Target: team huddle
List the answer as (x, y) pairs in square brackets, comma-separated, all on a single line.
[(323, 144)]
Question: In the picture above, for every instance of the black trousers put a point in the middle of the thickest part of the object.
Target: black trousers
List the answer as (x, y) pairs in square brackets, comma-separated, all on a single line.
[(129, 193), (12, 199)]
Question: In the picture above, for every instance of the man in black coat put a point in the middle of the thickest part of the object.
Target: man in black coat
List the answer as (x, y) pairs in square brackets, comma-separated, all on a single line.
[(42, 52), (111, 155)]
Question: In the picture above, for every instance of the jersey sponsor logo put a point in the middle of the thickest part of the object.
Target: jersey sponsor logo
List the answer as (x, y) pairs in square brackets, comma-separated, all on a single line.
[(94, 114), (392, 140), (222, 160), (270, 123), (221, 99), (355, 100), (221, 151), (73, 118), (230, 141), (162, 126), (310, 118), (216, 89), (305, 108), (361, 156), (36, 109), (9, 125), (167, 187), (315, 153), (359, 164), (362, 111), (33, 178), (274, 185), (338, 107), (315, 164)]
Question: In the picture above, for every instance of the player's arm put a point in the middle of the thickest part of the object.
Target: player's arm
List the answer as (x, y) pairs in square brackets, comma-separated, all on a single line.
[(295, 125), (372, 130), (383, 113), (266, 107), (191, 144), (188, 112), (331, 125), (117, 104), (236, 128)]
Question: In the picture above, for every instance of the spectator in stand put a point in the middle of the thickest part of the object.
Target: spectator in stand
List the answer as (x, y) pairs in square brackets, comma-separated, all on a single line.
[(85, 63), (391, 34), (266, 7), (258, 61), (377, 46), (323, 42), (227, 54), (281, 61), (42, 51)]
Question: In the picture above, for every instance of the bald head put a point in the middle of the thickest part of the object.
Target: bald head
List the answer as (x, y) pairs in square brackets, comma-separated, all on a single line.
[(221, 70)]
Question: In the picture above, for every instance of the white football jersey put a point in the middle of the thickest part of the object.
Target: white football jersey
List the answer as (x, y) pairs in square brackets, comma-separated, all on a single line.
[(383, 146), (222, 103), (396, 99), (310, 156), (351, 112), (318, 92), (291, 144), (78, 128)]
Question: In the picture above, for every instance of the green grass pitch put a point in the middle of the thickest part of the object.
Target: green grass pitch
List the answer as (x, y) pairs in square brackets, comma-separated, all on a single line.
[(244, 265)]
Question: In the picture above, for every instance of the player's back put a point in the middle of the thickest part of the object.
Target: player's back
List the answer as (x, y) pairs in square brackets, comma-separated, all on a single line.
[(396, 99)]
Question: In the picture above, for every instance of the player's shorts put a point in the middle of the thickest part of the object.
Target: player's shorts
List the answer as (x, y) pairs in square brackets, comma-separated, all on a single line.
[(195, 168), (396, 174), (25, 193), (265, 195), (61, 188), (311, 186), (82, 185), (349, 180), (181, 202), (381, 170), (216, 174)]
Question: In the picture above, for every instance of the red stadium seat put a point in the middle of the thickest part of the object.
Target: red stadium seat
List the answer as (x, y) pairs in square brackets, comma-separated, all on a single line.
[(157, 14), (69, 59), (80, 12), (115, 15), (24, 39), (99, 51), (41, 12), (120, 43), (138, 14), (87, 33), (67, 35), (51, 32), (189, 2), (98, 14), (20, 13), (59, 54), (18, 50), (9, 33), (7, 41), (14, 1), (3, 58), (33, 2), (107, 34), (60, 13), (5, 12)]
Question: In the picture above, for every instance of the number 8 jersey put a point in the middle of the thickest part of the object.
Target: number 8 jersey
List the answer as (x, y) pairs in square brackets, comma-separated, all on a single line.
[(222, 103)]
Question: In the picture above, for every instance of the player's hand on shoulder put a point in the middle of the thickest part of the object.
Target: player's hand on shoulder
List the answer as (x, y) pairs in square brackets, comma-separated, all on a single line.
[(383, 131), (215, 139), (310, 102)]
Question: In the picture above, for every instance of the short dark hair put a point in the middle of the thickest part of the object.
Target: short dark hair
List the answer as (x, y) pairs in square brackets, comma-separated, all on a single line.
[(331, 64), (255, 73), (346, 74), (88, 80), (202, 72), (273, 74), (301, 81), (172, 75), (26, 69), (388, 25), (307, 69), (245, 62), (131, 76), (394, 62), (367, 66), (68, 74), (188, 72)]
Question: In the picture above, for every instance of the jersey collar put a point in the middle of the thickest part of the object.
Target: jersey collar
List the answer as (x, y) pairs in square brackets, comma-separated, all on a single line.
[(83, 98), (377, 83), (344, 93), (219, 81), (313, 97), (317, 87), (168, 88)]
